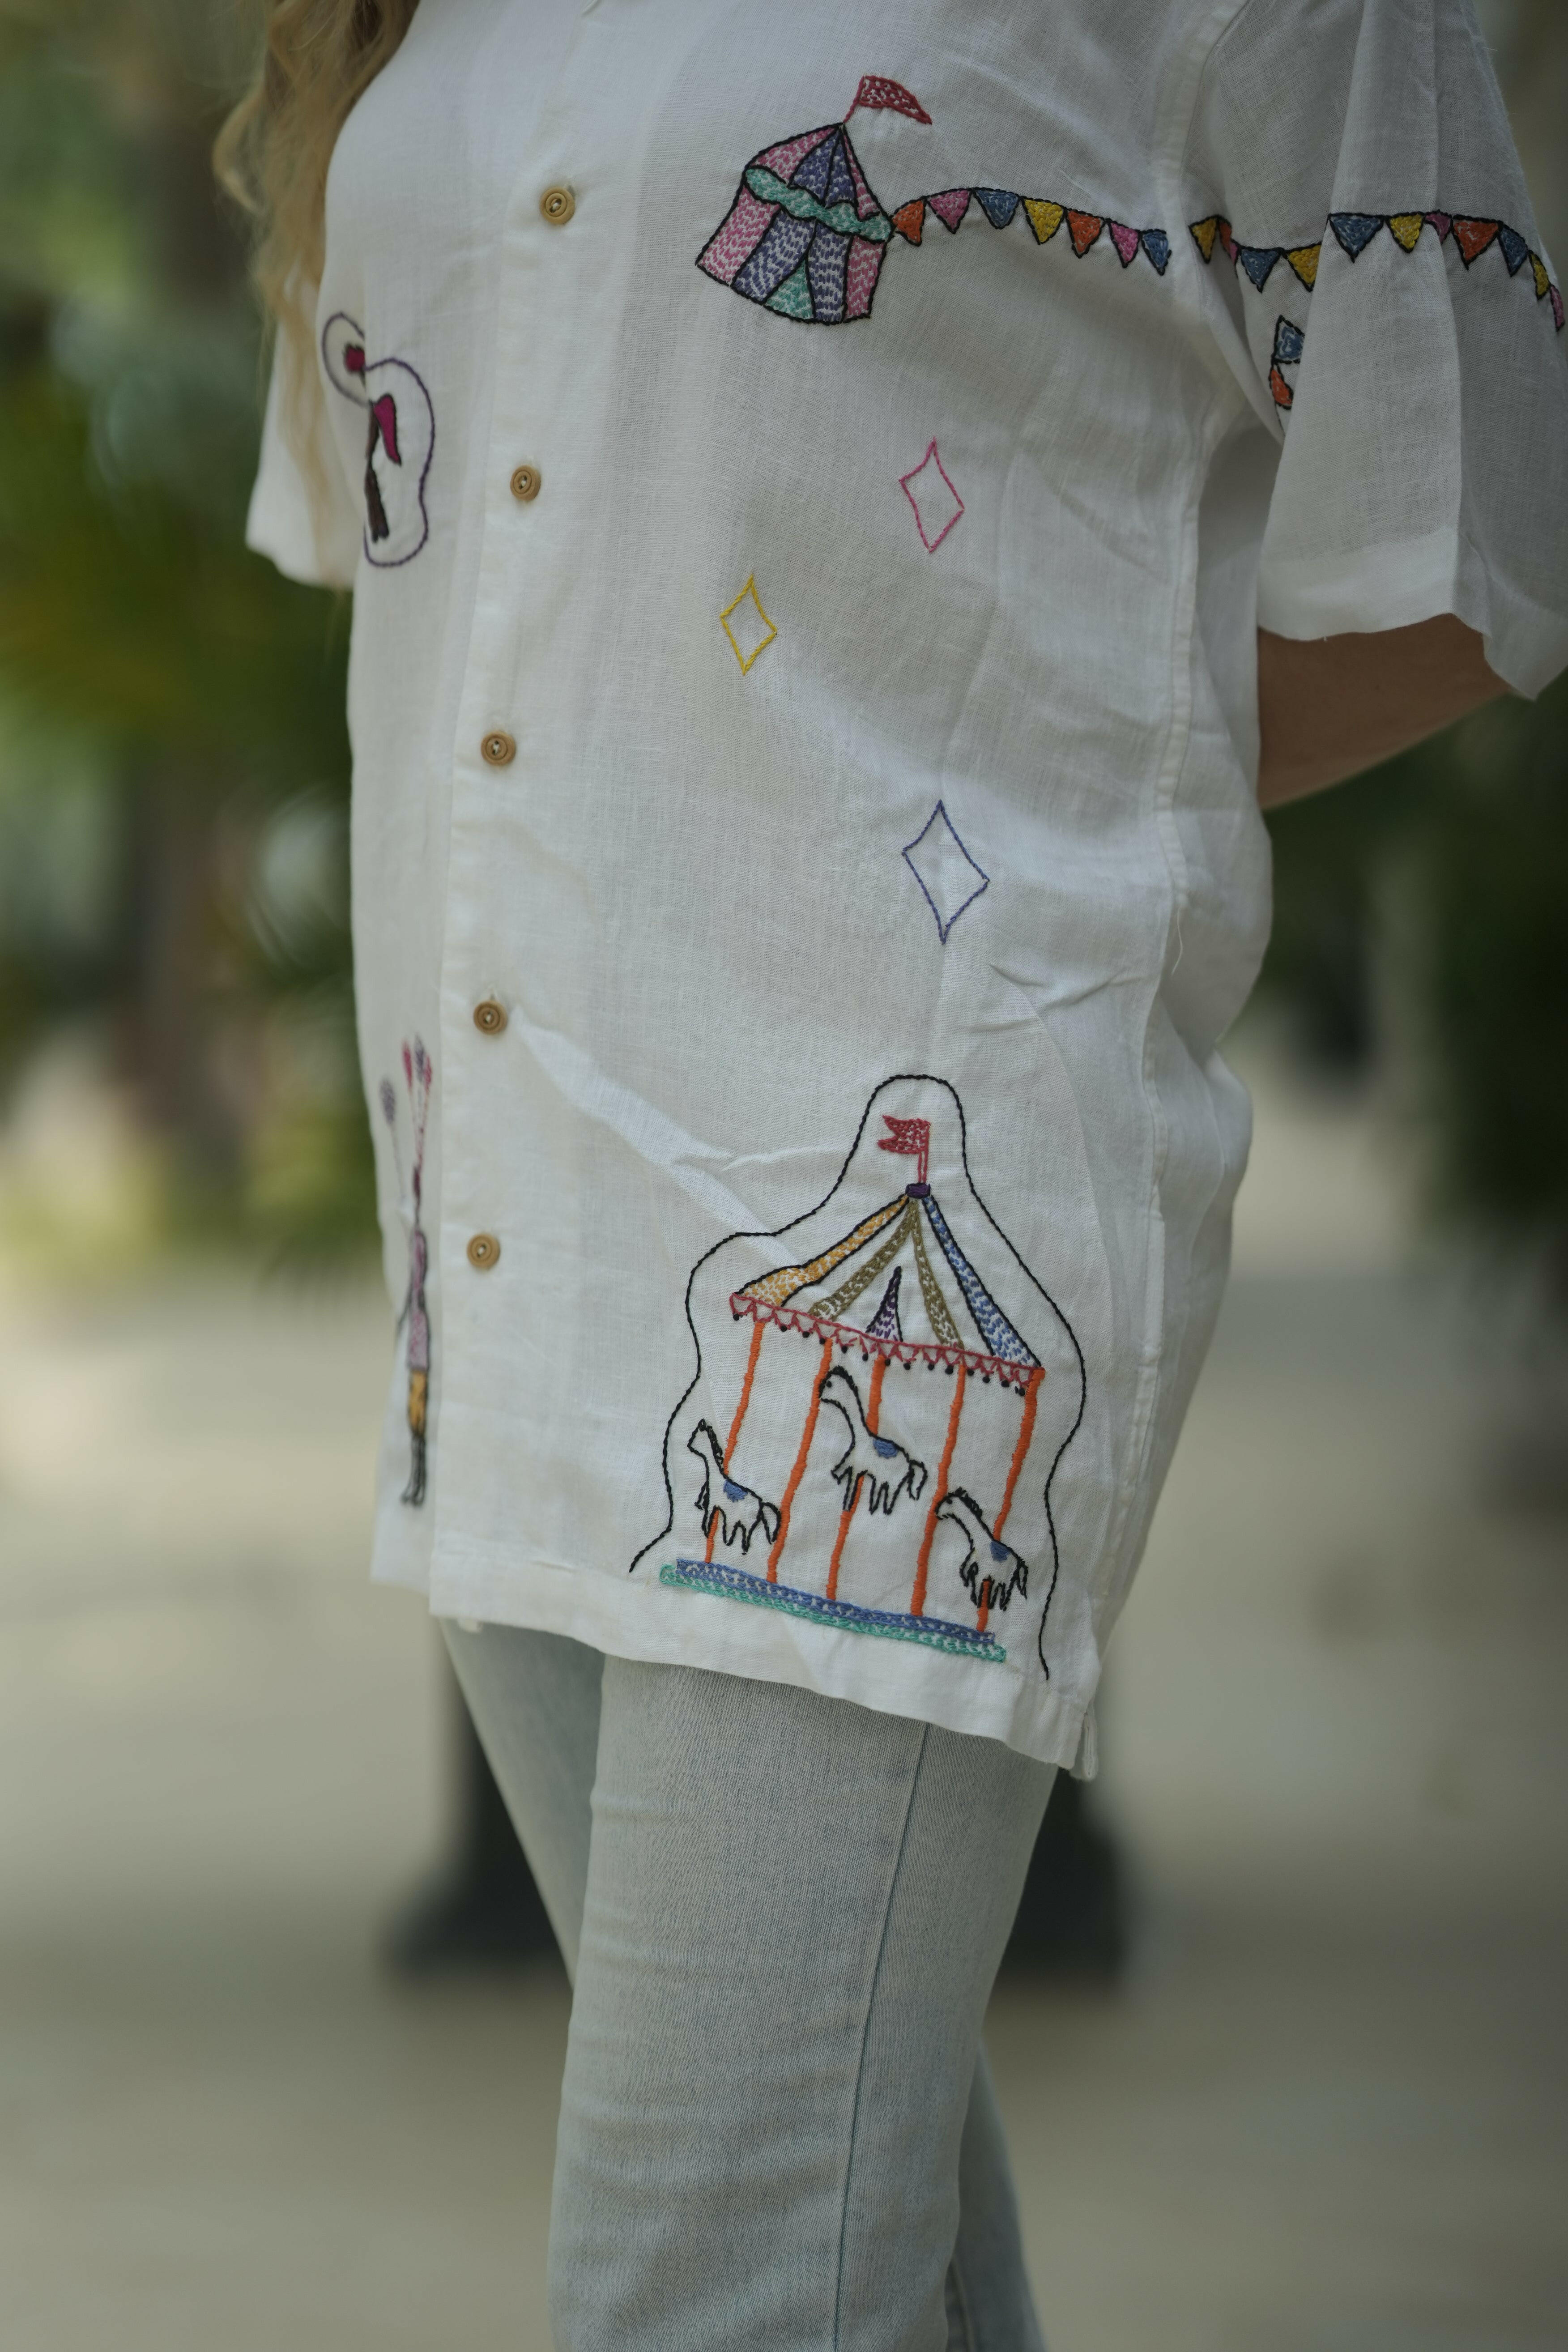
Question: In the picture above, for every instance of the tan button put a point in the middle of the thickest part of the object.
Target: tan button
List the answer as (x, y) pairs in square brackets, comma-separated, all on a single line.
[(489, 1017), (498, 748), (557, 204), (483, 1252), (525, 483)]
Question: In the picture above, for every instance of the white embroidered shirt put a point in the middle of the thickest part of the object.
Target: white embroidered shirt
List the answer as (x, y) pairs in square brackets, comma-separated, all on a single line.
[(810, 478)]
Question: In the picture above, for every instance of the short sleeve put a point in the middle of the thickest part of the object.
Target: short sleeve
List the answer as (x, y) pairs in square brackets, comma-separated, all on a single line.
[(310, 528), (1374, 276)]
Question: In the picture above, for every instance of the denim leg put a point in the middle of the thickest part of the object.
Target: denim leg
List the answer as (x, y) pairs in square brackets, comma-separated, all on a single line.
[(534, 1700), (794, 1911), (990, 2307)]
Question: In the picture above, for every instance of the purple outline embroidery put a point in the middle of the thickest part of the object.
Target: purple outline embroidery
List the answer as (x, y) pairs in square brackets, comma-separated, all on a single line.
[(932, 457), (949, 832), (399, 439)]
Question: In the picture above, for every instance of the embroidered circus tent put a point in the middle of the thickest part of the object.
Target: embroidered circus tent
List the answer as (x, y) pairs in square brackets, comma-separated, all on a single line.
[(806, 235), (884, 1390)]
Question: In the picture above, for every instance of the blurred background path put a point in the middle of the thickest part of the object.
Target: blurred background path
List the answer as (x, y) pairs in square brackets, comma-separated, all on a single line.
[(1325, 2114)]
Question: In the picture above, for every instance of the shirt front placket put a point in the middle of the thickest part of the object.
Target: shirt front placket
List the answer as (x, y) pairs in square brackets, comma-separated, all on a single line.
[(563, 266)]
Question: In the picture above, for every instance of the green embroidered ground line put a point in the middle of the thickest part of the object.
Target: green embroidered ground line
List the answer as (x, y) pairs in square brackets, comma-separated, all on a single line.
[(764, 1599)]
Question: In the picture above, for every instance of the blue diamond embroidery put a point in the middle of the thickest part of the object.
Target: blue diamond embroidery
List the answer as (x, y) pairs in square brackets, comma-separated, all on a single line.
[(947, 875)]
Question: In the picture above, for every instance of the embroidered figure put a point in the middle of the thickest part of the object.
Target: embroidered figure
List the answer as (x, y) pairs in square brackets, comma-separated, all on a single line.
[(1354, 232), (949, 877), (930, 491), (1289, 342), (418, 1073), (754, 633), (737, 1511), (876, 1464), (991, 1569), (902, 1382), (400, 441), (807, 235)]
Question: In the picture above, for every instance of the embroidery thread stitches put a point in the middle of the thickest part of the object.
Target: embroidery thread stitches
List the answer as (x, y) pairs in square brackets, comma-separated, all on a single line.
[(417, 1074), (807, 235), (400, 441), (949, 877), (934, 498), (932, 1477), (756, 642), (1289, 342), (1354, 232)]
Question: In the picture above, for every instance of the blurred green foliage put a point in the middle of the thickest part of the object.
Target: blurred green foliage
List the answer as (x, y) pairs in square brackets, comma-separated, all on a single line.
[(174, 764), (173, 754)]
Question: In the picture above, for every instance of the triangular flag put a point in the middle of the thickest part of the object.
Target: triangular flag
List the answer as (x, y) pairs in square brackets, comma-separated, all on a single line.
[(1283, 395), (1045, 218), (1227, 238), (1204, 233), (1442, 223), (1557, 308), (949, 207), (877, 91), (1514, 250), (1157, 245), (1125, 240), (1083, 228), (885, 1324), (1258, 261), (1538, 271), (1473, 236), (1289, 342), (1355, 231), (998, 205), (910, 219), (1303, 260), (1405, 228)]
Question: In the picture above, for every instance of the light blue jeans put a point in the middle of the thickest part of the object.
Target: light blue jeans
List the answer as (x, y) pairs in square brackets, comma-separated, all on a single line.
[(782, 1915)]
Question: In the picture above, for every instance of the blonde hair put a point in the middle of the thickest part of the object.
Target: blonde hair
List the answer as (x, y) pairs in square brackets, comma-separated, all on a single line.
[(272, 155)]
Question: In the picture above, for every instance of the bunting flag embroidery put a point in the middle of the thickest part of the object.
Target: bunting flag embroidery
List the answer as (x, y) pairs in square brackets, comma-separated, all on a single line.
[(806, 237), (1354, 232), (871, 1437), (1289, 342), (400, 441)]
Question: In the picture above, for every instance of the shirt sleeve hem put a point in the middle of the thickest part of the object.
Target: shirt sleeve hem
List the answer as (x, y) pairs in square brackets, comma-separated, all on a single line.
[(1396, 585), (287, 540)]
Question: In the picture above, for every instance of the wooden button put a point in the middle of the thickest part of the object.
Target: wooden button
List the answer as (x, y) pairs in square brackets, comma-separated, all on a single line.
[(557, 204), (498, 748), (489, 1017), (525, 483), (483, 1252)]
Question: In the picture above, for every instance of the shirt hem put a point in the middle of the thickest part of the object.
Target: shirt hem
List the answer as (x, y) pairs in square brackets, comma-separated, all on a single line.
[(638, 1617)]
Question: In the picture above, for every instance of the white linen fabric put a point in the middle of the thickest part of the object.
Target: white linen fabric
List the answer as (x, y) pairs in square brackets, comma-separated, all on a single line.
[(806, 854)]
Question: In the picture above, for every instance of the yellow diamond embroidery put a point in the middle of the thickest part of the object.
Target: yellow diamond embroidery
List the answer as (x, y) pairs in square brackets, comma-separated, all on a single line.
[(1044, 219), (756, 632), (1303, 260)]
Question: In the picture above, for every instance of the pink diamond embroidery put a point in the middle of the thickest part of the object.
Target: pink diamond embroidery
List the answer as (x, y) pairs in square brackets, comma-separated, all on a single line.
[(937, 505)]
